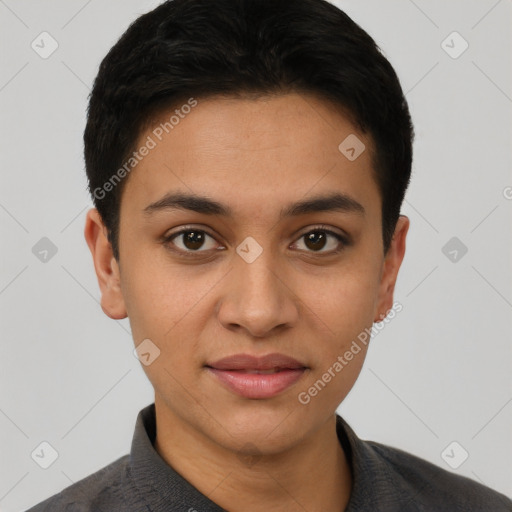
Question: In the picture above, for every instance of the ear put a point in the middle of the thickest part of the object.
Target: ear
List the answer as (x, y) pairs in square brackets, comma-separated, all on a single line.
[(106, 266), (392, 262)]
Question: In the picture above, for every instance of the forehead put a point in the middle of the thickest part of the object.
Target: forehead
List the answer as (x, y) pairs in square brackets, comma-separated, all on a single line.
[(254, 154)]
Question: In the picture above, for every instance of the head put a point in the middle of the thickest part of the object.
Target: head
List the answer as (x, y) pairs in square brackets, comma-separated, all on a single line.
[(276, 135)]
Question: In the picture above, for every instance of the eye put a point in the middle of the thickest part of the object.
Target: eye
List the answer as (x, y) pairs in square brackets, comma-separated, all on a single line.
[(320, 238), (191, 240)]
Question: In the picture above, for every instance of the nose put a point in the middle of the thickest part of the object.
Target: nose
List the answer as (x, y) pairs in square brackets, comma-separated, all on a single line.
[(258, 298)]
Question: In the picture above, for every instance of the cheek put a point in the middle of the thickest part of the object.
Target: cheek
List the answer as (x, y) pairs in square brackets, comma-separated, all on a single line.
[(343, 310), (163, 308), (343, 318), (343, 300), (166, 303), (149, 296)]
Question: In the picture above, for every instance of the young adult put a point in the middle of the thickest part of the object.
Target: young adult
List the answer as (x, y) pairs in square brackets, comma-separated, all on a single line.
[(248, 160)]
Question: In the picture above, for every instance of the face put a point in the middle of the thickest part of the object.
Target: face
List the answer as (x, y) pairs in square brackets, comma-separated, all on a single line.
[(245, 230)]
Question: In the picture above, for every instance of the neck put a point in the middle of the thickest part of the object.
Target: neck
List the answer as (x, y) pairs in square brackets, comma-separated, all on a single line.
[(313, 475)]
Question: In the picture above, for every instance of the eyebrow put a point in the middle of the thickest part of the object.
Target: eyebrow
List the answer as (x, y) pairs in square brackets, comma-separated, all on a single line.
[(202, 204)]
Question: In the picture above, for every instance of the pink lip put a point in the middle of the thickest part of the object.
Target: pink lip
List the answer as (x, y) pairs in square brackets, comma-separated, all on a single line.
[(235, 373)]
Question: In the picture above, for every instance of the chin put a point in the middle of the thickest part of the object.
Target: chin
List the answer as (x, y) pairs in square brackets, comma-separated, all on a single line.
[(270, 428)]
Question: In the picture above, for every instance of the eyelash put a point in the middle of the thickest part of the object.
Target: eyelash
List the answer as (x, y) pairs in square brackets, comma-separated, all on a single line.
[(167, 241)]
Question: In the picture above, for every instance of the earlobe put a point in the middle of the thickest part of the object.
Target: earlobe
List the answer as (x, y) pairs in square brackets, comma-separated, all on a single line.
[(391, 266), (105, 265)]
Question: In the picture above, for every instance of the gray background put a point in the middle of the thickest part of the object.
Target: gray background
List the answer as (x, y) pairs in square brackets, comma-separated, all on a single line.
[(439, 372)]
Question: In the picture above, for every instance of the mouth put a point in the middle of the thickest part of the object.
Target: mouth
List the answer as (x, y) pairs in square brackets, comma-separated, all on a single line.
[(257, 372), (257, 377)]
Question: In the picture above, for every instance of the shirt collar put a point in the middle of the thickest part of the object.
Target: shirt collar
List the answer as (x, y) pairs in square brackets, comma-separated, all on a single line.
[(161, 485)]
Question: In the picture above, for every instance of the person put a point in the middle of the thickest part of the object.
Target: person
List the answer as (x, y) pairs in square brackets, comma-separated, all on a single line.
[(248, 160)]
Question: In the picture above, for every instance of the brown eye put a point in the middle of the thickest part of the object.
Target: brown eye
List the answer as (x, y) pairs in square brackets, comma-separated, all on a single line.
[(192, 240), (319, 239), (315, 240)]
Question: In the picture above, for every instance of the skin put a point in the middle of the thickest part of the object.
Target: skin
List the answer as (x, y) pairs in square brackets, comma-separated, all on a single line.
[(305, 301)]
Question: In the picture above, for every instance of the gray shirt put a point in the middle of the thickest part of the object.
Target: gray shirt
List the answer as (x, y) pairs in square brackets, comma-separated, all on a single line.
[(385, 479)]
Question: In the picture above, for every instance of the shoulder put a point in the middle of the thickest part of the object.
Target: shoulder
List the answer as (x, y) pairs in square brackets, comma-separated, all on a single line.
[(431, 487), (103, 490)]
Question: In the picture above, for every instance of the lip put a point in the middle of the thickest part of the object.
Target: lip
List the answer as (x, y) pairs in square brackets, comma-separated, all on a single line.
[(237, 373), (250, 362)]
